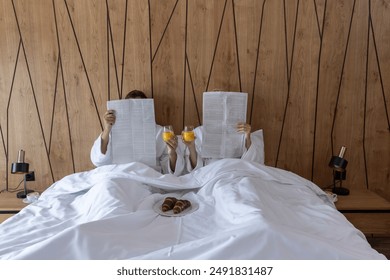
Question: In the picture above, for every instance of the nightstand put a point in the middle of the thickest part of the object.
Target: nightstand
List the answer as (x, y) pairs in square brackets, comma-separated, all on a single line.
[(9, 205), (367, 211)]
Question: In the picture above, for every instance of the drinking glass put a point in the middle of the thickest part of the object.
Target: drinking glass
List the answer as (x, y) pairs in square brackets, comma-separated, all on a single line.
[(167, 133), (188, 133)]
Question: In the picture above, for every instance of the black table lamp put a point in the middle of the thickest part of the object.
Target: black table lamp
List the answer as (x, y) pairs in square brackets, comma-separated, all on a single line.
[(21, 167), (338, 163)]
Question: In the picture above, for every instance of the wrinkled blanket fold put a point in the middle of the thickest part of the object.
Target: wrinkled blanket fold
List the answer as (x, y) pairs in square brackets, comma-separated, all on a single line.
[(246, 211)]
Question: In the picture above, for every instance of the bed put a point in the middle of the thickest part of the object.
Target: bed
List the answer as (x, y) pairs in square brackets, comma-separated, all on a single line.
[(239, 210)]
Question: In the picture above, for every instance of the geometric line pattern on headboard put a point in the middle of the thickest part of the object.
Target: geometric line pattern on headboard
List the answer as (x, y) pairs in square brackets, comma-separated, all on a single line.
[(315, 73)]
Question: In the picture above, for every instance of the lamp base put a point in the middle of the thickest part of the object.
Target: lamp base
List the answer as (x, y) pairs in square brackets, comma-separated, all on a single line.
[(340, 191), (23, 194)]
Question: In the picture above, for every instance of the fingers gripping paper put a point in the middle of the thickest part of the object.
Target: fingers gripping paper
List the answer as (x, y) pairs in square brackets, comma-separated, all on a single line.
[(134, 134), (222, 111)]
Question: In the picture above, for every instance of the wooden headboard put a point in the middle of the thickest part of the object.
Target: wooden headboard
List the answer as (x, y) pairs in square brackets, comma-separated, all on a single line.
[(316, 73)]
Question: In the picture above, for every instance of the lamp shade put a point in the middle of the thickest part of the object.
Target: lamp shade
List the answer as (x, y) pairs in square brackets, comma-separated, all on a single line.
[(339, 163), (20, 167)]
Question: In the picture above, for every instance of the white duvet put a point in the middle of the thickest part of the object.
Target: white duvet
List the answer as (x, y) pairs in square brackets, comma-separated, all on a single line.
[(246, 211)]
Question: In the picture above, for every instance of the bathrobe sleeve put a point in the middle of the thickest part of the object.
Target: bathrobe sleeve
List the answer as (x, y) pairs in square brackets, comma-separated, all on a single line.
[(163, 157), (255, 152), (97, 157)]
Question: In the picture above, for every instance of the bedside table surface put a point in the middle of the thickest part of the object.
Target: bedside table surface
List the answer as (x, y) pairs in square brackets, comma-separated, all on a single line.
[(362, 200), (9, 202)]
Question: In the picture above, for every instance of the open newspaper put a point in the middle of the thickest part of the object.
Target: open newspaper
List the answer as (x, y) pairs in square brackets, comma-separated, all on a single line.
[(134, 134), (222, 111)]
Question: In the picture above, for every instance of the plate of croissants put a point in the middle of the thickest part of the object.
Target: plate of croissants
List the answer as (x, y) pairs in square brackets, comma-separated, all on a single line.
[(174, 207)]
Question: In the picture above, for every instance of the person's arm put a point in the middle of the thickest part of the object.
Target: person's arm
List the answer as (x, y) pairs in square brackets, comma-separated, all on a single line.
[(100, 152), (108, 121), (97, 157), (255, 153), (172, 146), (193, 155), (192, 151), (169, 156)]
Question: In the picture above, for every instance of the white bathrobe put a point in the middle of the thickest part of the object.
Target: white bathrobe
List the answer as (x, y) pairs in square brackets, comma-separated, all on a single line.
[(255, 152), (162, 157)]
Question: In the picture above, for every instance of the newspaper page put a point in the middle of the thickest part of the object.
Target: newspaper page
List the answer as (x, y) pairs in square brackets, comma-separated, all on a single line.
[(133, 135), (222, 111)]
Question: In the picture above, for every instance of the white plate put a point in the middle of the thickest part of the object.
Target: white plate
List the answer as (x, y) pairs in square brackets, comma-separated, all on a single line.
[(157, 208)]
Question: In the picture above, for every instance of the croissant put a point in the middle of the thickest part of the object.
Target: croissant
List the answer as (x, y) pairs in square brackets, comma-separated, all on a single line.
[(180, 206), (168, 204)]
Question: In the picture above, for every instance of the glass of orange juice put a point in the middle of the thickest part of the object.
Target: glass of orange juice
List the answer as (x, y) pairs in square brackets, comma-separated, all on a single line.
[(167, 133), (188, 133)]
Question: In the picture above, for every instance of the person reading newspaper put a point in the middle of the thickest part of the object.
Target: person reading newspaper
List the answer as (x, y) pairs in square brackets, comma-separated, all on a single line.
[(216, 119), (169, 157)]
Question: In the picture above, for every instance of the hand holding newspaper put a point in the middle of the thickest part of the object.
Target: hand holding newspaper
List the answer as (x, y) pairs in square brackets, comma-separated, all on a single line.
[(222, 111)]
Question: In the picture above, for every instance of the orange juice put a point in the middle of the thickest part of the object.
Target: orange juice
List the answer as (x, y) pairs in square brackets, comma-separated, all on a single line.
[(188, 136), (166, 135)]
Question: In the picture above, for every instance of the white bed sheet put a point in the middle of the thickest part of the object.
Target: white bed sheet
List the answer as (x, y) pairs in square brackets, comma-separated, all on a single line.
[(246, 211)]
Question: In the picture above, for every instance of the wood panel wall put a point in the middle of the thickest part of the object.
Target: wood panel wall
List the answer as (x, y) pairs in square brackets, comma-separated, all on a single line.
[(317, 74)]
